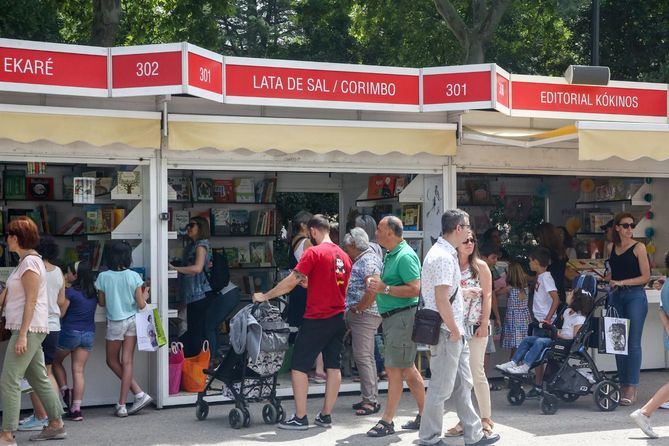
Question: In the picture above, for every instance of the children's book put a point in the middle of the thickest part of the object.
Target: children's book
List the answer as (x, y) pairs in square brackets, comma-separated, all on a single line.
[(244, 190), (224, 191), (205, 189)]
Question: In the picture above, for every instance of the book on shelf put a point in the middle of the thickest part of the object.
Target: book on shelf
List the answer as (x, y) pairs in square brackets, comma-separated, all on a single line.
[(36, 216), (128, 184), (411, 214), (99, 219), (244, 190), (13, 213), (261, 281), (73, 226), (181, 187), (39, 188), (224, 191), (266, 190), (220, 221), (260, 253), (84, 190), (48, 221), (400, 183), (118, 216), (380, 186), (239, 222), (15, 184), (244, 255), (232, 254), (68, 187), (103, 185), (205, 189), (180, 219)]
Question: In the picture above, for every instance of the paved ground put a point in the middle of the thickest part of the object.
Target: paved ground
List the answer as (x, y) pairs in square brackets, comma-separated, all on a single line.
[(577, 423)]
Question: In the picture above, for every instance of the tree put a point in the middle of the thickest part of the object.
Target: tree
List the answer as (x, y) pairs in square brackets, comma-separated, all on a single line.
[(29, 19), (474, 38), (106, 21)]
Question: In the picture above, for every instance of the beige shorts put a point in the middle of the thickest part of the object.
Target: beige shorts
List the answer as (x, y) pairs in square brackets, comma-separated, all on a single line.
[(117, 330)]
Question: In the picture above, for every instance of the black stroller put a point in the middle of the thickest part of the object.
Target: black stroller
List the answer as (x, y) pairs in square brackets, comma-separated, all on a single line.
[(246, 380), (570, 373)]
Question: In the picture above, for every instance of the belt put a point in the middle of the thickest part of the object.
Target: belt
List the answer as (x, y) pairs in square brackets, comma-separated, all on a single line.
[(387, 314)]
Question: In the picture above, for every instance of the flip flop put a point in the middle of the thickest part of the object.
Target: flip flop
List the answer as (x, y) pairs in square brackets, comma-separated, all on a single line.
[(455, 431)]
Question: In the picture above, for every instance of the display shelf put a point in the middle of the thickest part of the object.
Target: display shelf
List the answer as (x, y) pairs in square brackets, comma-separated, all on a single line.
[(603, 202), (172, 235), (131, 226), (412, 193), (172, 274)]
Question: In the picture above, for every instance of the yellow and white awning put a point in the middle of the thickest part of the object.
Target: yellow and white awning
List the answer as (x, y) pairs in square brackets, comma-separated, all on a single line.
[(192, 132), (520, 137), (68, 125), (629, 141)]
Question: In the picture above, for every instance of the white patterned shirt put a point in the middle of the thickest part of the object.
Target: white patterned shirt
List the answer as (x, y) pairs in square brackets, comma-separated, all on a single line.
[(441, 267)]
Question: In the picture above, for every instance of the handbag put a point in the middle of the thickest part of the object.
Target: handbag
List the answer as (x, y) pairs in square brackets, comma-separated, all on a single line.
[(613, 333), (150, 333), (193, 378), (427, 323), (176, 364)]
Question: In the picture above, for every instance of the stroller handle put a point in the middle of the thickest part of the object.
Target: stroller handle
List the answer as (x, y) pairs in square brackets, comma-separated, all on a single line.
[(550, 327), (256, 304)]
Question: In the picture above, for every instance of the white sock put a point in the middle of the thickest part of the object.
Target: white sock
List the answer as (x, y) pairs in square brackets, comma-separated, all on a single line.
[(139, 396)]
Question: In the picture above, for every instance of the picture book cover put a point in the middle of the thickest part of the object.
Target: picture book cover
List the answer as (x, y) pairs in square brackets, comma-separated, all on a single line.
[(411, 217), (84, 190), (261, 280), (68, 187), (129, 183), (239, 222), (181, 187), (244, 190), (224, 191), (103, 185), (244, 256), (15, 184), (180, 220), (381, 186), (220, 221), (39, 188), (232, 255), (205, 189), (259, 254)]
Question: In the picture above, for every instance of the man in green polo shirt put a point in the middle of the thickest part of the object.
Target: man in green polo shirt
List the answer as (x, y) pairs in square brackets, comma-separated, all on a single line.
[(397, 298)]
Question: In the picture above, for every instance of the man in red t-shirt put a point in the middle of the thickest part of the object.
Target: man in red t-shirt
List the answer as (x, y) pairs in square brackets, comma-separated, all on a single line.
[(325, 270)]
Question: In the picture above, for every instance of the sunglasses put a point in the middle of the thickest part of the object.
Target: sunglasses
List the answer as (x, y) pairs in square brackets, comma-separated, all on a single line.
[(627, 225), (191, 224), (468, 241)]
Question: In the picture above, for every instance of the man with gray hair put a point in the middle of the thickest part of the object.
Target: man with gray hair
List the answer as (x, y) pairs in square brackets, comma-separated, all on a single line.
[(397, 290), (451, 375), (362, 316)]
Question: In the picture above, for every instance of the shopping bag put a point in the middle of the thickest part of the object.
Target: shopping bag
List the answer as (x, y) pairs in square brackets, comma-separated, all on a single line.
[(193, 378), (176, 364), (150, 333), (613, 333)]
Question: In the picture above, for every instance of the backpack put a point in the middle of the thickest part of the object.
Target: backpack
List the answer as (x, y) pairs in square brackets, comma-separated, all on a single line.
[(218, 272), (586, 282)]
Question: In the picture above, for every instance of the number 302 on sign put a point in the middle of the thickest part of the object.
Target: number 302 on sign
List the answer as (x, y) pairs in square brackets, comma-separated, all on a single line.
[(456, 90), (146, 69)]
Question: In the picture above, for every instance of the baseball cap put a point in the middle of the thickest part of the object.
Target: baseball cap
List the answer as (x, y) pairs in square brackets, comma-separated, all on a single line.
[(609, 224)]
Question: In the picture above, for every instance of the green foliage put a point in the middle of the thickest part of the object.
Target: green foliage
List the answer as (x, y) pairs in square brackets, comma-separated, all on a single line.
[(29, 20), (517, 234)]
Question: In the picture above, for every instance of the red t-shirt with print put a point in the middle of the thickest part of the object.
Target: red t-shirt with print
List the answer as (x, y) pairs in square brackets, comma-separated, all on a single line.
[(328, 268)]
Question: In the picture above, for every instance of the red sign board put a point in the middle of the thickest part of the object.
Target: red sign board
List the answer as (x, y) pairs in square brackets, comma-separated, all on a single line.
[(266, 82), (502, 91), (457, 88), (149, 69), (621, 101), (36, 67), (205, 73)]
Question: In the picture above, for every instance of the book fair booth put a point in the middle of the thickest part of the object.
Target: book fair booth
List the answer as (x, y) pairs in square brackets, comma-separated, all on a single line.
[(130, 143)]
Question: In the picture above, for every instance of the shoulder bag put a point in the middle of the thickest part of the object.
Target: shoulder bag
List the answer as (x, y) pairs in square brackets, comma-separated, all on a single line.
[(427, 323)]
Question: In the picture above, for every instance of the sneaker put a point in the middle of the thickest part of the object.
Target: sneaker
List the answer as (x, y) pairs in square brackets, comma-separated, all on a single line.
[(486, 439), (535, 392), (140, 404), (50, 433), (643, 422), (412, 425), (506, 366), (75, 416), (323, 420), (34, 424), (664, 405), (121, 411), (25, 386), (67, 398), (28, 418), (295, 424), (319, 378), (519, 369)]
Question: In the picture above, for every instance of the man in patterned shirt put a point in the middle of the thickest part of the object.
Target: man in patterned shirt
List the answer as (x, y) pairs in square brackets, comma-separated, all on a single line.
[(451, 375)]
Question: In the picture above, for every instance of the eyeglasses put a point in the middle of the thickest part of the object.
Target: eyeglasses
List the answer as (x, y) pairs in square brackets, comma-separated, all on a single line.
[(627, 225), (465, 226), (468, 241)]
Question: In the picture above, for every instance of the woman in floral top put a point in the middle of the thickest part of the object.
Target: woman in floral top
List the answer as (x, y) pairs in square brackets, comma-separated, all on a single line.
[(476, 286)]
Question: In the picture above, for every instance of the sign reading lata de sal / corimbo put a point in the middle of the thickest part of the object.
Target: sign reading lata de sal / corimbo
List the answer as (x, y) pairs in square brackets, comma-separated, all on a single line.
[(182, 68), (291, 83)]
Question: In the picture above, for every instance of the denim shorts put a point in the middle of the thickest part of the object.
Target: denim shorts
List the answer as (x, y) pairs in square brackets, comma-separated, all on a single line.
[(73, 339), (49, 347), (118, 330)]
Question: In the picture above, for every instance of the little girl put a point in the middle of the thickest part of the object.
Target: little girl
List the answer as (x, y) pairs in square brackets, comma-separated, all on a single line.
[(580, 304), (77, 334), (517, 311), (120, 292)]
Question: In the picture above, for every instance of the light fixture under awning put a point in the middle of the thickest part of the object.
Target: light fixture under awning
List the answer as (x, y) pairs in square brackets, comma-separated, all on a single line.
[(192, 132), (520, 137), (68, 125), (629, 141)]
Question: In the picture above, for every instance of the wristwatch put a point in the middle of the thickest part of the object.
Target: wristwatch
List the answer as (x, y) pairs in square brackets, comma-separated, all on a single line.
[(386, 290)]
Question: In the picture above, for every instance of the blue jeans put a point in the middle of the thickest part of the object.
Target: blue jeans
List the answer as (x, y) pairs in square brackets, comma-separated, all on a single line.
[(219, 308), (530, 349), (631, 303)]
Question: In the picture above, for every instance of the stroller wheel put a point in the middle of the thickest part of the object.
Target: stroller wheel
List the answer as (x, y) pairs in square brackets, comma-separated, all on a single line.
[(247, 417), (568, 397), (516, 396), (280, 414), (269, 414), (236, 418), (201, 410), (549, 404), (606, 395)]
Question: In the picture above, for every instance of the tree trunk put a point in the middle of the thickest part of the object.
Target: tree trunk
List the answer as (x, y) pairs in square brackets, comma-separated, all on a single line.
[(106, 22), (474, 52)]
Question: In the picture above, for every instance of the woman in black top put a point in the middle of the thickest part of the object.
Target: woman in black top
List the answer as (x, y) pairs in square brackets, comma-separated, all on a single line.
[(547, 236), (297, 299), (630, 271)]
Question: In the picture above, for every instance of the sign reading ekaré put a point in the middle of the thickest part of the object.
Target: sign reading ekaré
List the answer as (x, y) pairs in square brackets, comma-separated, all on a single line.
[(36, 67), (304, 84), (537, 96), (457, 88), (147, 69)]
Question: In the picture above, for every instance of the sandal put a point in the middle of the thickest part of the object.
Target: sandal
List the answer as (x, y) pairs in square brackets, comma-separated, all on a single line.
[(368, 409), (412, 425), (455, 431), (381, 429), (487, 425), (358, 405), (628, 400)]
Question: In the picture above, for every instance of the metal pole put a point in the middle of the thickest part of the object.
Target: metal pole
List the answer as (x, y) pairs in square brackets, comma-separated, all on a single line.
[(595, 33)]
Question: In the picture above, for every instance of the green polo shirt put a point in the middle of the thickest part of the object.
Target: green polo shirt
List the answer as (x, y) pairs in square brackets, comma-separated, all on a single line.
[(400, 266)]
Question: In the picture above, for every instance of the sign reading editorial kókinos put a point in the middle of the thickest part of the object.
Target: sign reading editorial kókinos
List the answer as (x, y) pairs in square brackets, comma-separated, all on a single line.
[(323, 85), (52, 68), (538, 96)]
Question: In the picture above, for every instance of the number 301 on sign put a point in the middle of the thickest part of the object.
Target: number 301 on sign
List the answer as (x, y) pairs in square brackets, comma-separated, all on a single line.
[(456, 90)]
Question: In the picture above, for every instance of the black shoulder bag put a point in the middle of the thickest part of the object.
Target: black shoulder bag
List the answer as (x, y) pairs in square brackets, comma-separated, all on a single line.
[(427, 323)]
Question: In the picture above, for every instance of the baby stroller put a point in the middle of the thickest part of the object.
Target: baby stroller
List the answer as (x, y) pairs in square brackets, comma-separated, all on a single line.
[(247, 380), (570, 373)]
